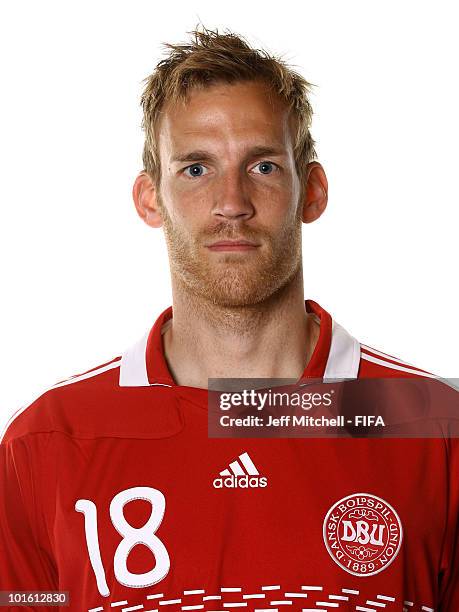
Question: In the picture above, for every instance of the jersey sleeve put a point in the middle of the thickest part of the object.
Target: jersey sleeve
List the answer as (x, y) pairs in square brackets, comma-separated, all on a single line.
[(449, 570), (25, 565)]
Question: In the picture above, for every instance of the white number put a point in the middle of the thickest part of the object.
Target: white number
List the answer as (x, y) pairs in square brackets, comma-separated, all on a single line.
[(88, 508), (143, 535), (131, 537)]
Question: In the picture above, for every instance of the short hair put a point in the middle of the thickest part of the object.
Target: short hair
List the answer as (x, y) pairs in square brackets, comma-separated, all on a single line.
[(211, 57)]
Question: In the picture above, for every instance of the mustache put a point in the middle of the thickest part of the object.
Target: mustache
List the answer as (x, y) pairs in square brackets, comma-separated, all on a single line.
[(230, 231)]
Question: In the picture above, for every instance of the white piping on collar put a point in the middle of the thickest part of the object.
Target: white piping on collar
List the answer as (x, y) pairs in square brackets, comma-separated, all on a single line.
[(344, 357), (133, 368), (343, 360)]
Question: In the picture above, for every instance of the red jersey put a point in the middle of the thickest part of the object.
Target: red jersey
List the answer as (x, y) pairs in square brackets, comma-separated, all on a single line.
[(107, 491)]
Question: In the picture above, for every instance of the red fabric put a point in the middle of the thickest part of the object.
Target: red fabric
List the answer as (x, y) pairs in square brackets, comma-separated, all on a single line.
[(94, 440)]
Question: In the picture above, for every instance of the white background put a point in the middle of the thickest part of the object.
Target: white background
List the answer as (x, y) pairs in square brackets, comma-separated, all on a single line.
[(82, 277)]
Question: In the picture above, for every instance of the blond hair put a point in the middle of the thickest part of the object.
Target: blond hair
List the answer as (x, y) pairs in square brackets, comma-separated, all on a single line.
[(208, 58)]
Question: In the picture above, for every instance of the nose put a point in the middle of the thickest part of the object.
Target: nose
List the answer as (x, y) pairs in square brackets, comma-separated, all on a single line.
[(232, 198)]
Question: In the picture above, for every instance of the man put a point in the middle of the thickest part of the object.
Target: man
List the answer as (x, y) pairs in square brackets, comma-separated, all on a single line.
[(112, 488)]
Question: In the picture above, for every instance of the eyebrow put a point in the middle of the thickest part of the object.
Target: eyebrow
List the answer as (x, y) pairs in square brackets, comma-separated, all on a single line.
[(202, 155)]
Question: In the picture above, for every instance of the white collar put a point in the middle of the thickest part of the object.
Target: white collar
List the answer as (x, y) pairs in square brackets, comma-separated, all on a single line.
[(342, 363)]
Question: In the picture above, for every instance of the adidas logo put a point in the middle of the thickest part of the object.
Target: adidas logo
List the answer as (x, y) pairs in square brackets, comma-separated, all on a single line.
[(241, 474)]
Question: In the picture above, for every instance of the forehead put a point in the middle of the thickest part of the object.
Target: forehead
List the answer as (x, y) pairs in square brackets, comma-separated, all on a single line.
[(244, 112)]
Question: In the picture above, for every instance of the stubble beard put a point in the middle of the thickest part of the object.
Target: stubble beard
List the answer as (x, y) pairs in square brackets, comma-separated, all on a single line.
[(237, 279)]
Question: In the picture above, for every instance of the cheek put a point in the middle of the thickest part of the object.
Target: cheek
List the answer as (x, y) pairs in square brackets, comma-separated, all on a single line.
[(276, 204), (182, 206)]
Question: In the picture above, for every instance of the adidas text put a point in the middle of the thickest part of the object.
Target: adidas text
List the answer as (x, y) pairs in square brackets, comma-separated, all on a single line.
[(241, 482)]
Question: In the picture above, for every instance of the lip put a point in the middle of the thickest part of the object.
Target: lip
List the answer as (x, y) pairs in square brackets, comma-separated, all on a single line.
[(233, 245)]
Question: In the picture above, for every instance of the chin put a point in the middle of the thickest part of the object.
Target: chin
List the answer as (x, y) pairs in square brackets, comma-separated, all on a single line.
[(240, 291), (240, 285), (234, 299)]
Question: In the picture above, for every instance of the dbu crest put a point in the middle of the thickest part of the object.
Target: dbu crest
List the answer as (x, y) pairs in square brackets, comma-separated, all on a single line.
[(362, 533)]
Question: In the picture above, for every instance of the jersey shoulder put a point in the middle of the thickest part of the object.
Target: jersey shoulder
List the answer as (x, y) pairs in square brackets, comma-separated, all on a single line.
[(50, 408), (377, 363), (411, 388)]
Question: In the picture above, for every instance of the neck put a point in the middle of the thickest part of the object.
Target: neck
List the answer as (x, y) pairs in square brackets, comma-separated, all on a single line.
[(272, 339)]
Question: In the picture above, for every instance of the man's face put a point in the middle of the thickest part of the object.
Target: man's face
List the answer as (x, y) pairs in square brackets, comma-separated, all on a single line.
[(228, 174)]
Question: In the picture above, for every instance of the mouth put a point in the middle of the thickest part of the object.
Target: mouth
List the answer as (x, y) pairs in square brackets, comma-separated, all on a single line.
[(233, 245)]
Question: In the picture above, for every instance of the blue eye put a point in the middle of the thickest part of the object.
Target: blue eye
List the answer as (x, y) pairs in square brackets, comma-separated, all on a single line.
[(265, 167), (195, 170)]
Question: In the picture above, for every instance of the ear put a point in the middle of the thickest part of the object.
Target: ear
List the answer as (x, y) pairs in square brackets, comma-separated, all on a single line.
[(145, 199), (315, 192)]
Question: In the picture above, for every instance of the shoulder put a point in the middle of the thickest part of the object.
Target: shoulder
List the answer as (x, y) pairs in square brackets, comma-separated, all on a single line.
[(374, 363), (52, 407), (429, 399)]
